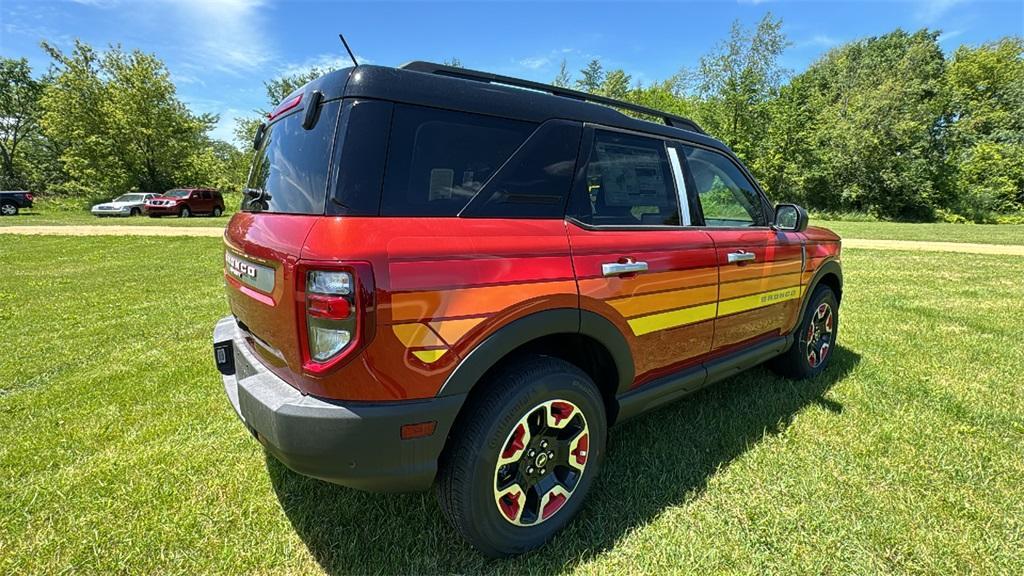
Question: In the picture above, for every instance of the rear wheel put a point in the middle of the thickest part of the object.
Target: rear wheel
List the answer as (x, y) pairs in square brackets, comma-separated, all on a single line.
[(184, 212), (217, 212), (8, 209), (524, 456), (135, 212), (815, 337)]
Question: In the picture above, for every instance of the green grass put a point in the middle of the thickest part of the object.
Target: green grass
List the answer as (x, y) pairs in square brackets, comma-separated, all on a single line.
[(935, 232), (120, 453)]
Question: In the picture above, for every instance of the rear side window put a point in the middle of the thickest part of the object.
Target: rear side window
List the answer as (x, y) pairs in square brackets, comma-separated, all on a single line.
[(628, 183), (291, 166), (438, 159)]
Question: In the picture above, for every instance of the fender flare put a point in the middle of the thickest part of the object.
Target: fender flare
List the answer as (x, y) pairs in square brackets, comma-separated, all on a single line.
[(545, 323), (828, 267)]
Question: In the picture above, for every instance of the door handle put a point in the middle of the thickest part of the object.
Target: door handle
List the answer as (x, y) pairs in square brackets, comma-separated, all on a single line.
[(741, 256), (629, 266)]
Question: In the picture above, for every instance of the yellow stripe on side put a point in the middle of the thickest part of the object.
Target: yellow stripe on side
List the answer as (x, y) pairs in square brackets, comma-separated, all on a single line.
[(745, 303), (654, 322), (429, 356)]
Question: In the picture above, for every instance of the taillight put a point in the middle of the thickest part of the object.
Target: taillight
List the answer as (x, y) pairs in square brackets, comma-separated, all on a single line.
[(337, 303), (29, 197)]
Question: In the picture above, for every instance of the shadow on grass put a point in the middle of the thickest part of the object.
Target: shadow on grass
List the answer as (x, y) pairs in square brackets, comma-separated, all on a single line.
[(653, 462)]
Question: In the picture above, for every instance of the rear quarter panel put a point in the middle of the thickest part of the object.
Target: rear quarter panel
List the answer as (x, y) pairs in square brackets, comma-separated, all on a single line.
[(443, 286)]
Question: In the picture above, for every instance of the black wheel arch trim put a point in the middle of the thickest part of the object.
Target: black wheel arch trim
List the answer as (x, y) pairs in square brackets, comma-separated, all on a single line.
[(545, 323), (828, 267)]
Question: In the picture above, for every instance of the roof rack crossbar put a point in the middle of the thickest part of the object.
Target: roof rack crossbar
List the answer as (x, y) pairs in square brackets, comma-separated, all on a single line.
[(465, 73)]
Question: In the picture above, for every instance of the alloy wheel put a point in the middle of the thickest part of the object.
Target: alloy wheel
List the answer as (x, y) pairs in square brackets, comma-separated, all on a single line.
[(819, 335), (541, 462)]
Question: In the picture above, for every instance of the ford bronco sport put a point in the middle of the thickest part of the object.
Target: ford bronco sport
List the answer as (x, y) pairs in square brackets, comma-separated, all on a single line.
[(441, 278)]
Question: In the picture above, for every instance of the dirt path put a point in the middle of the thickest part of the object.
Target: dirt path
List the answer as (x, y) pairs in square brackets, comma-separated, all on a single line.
[(213, 232), (204, 231), (963, 247)]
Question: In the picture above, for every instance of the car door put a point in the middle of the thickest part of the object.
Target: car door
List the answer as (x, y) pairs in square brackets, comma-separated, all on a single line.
[(637, 261), (759, 267)]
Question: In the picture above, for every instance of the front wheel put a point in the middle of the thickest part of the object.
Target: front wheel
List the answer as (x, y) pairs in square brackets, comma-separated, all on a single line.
[(185, 212), (523, 456), (8, 209), (815, 337)]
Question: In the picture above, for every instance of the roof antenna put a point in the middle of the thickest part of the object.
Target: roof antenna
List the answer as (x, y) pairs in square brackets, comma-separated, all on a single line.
[(350, 54)]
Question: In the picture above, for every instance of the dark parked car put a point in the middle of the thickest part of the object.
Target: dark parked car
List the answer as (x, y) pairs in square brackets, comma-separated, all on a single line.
[(13, 201), (185, 202)]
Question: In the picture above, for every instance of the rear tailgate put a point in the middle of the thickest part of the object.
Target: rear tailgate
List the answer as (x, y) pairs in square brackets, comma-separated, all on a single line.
[(259, 271)]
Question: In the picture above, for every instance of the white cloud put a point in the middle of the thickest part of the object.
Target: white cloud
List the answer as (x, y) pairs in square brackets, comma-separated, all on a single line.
[(949, 35), (535, 62), (324, 61), (226, 35), (931, 10), (817, 41)]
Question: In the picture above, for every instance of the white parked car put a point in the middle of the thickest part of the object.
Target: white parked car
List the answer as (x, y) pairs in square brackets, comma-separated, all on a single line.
[(123, 205)]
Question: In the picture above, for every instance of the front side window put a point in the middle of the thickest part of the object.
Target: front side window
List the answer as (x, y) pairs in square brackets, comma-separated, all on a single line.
[(439, 159), (727, 197), (628, 183)]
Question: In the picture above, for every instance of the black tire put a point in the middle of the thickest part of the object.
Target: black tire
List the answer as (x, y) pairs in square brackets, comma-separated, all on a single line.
[(8, 209), (184, 212), (814, 340), (135, 212), (217, 212), (469, 475)]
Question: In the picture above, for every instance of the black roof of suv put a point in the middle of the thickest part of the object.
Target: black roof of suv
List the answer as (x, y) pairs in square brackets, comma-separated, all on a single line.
[(440, 86)]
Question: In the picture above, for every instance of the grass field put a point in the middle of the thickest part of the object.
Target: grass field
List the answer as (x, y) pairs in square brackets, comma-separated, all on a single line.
[(119, 452)]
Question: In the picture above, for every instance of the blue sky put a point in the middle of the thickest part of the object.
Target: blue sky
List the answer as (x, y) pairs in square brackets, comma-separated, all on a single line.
[(219, 52)]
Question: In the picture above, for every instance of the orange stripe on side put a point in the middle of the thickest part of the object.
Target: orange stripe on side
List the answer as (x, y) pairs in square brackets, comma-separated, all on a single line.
[(605, 288), (416, 335), (451, 331), (752, 271), (470, 301), (647, 304)]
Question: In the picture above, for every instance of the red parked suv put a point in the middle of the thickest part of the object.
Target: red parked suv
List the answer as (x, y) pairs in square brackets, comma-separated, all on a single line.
[(440, 278), (185, 202)]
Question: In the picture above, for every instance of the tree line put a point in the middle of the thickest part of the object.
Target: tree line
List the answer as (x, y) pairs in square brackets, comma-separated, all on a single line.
[(888, 125)]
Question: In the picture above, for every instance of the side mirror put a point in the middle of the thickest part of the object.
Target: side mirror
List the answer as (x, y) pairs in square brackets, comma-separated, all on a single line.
[(790, 218)]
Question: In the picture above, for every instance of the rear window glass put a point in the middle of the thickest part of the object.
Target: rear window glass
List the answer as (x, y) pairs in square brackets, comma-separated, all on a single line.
[(438, 159), (291, 166)]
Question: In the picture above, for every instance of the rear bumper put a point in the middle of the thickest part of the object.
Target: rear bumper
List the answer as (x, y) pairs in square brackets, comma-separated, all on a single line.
[(349, 443)]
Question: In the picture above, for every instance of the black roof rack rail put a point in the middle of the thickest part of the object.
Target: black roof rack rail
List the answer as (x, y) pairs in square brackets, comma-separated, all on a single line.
[(467, 74)]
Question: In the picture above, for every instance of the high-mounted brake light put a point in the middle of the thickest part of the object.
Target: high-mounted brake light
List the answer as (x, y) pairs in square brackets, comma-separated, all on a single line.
[(336, 302), (285, 106)]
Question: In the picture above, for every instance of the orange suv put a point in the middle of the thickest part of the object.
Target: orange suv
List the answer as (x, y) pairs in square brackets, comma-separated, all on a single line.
[(447, 277)]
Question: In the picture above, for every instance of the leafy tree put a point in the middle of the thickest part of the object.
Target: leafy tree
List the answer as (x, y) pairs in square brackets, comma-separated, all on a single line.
[(279, 88), (119, 123), (987, 137), (874, 112), (592, 77), (737, 81), (453, 62), (19, 118), (564, 78), (616, 84)]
